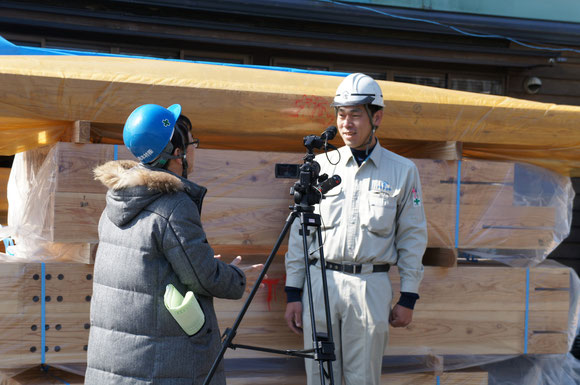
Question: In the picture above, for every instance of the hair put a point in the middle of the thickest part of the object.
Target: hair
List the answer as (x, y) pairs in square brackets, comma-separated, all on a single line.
[(374, 108), (182, 128)]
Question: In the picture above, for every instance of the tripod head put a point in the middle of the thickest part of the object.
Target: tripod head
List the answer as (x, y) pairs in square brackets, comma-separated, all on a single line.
[(311, 187)]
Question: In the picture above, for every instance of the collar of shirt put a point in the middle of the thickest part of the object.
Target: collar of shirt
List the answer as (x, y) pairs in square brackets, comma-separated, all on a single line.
[(359, 155)]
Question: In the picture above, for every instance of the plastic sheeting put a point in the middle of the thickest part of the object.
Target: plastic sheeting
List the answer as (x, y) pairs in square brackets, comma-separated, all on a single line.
[(31, 188)]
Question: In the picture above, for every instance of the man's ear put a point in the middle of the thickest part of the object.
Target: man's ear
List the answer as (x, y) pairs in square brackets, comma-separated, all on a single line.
[(177, 153), (377, 118)]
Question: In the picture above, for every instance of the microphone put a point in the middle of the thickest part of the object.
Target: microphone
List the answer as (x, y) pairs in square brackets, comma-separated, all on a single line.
[(329, 133), (328, 184)]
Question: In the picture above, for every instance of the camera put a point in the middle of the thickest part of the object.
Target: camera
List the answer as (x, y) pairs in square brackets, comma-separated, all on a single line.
[(310, 187)]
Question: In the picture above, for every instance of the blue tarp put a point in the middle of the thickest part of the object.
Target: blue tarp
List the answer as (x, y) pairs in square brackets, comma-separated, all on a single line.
[(7, 48)]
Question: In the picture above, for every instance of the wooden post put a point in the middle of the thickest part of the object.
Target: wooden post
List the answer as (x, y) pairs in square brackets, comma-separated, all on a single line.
[(81, 132)]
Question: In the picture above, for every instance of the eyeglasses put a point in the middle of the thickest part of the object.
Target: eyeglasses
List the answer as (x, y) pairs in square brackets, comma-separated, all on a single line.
[(194, 142)]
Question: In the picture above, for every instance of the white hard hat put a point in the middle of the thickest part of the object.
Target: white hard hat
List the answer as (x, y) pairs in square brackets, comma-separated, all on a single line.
[(358, 89)]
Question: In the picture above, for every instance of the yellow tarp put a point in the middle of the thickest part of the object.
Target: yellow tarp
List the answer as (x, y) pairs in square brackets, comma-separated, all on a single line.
[(248, 108)]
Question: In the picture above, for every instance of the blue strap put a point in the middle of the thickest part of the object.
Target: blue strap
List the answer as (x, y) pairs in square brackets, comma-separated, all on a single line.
[(438, 380), (116, 152), (7, 242), (527, 313), (42, 313), (457, 203)]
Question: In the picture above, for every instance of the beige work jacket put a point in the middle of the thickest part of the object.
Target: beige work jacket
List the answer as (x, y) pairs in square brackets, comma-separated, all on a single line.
[(375, 216)]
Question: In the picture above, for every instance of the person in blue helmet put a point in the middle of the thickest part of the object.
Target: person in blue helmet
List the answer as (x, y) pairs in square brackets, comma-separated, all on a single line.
[(152, 245)]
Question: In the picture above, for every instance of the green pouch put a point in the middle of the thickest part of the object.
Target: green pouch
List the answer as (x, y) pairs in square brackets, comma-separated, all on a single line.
[(185, 310)]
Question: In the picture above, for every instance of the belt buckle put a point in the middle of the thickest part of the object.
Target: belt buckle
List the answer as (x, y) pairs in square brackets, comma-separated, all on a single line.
[(350, 268)]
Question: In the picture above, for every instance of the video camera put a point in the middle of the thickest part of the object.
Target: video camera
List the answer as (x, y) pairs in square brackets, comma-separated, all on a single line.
[(310, 187)]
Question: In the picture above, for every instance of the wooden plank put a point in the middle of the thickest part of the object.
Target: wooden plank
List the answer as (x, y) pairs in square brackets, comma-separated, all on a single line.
[(4, 175), (68, 289), (502, 227), (259, 222), (449, 150), (269, 104), (483, 184), (66, 338), (463, 310), (81, 131), (447, 378), (76, 216), (295, 375), (77, 161), (11, 280)]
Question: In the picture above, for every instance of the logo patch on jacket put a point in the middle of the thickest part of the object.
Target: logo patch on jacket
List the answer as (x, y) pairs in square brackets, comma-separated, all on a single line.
[(381, 185), (416, 198)]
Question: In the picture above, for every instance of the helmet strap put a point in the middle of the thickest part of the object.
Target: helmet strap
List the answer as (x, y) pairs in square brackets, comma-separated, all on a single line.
[(373, 129), (184, 165)]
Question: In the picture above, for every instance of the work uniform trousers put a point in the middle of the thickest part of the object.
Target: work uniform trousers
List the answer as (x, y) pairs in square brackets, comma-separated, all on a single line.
[(359, 311)]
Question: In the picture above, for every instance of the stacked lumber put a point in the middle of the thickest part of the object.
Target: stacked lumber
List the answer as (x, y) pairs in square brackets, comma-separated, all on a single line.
[(67, 294), (465, 310), (241, 215)]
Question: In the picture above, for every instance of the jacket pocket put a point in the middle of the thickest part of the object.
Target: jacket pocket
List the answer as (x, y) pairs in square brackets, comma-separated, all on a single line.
[(330, 208), (381, 213)]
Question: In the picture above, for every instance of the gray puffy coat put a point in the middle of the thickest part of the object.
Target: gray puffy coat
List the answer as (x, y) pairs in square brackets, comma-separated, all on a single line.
[(150, 235)]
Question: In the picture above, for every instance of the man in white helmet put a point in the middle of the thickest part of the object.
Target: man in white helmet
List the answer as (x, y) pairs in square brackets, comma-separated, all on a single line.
[(374, 219)]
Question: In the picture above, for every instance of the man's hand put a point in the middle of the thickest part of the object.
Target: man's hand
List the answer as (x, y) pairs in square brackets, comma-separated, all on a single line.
[(252, 272), (400, 316), (293, 316)]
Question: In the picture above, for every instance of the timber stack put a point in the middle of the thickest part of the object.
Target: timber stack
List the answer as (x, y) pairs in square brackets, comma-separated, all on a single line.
[(478, 206)]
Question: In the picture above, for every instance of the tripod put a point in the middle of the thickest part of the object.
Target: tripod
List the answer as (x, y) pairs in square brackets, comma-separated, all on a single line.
[(323, 345), (305, 196)]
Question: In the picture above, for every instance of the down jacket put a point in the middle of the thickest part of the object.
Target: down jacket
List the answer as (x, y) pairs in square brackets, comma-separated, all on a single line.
[(150, 235)]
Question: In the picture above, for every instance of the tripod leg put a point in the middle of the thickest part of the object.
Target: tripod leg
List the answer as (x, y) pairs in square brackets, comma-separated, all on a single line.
[(231, 332), (323, 346), (326, 301)]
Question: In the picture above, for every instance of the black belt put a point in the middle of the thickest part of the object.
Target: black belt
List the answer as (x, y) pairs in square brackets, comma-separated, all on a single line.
[(352, 268)]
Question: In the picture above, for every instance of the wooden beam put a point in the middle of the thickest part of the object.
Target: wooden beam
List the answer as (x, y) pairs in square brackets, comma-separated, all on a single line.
[(241, 185), (466, 310), (4, 175), (291, 372), (68, 290), (266, 103), (81, 132)]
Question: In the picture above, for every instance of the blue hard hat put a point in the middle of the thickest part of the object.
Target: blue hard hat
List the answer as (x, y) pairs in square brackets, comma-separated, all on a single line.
[(149, 129)]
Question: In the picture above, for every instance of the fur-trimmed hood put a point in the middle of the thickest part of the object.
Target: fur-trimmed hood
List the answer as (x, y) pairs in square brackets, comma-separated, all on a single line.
[(122, 174), (133, 186)]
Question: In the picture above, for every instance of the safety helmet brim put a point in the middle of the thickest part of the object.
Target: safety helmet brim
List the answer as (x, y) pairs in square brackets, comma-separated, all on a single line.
[(353, 102), (175, 110)]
